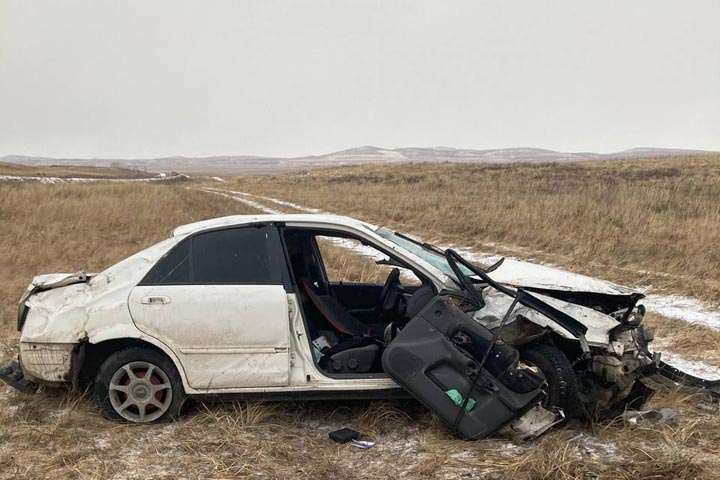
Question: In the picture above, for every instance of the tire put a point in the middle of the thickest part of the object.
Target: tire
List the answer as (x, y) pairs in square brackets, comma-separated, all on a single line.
[(563, 388), (123, 397)]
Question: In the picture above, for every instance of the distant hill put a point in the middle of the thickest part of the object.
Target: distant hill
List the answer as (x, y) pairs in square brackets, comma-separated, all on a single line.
[(238, 164)]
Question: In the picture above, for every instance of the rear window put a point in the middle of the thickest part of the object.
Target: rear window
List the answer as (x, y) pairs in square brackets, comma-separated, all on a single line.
[(172, 268), (246, 255)]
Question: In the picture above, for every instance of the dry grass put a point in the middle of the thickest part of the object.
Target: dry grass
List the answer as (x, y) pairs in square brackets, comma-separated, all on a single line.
[(58, 436), (694, 342), (48, 228), (636, 222), (64, 171)]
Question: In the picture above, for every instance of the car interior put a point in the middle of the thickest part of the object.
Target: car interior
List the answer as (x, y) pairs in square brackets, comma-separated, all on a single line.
[(354, 298)]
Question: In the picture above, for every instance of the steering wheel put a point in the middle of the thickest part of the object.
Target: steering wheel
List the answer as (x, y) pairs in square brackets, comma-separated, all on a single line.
[(390, 295)]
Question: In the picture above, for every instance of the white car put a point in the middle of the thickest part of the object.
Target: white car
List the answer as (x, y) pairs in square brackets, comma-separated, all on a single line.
[(249, 305)]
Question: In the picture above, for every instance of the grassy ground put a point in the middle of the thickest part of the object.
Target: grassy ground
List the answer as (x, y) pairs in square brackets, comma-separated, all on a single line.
[(62, 437), (636, 222), (49, 228)]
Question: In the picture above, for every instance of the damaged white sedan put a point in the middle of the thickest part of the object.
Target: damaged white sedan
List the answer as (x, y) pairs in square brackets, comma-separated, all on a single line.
[(254, 306)]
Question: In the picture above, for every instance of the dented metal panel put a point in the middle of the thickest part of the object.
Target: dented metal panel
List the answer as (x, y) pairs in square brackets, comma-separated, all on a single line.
[(67, 309), (597, 323)]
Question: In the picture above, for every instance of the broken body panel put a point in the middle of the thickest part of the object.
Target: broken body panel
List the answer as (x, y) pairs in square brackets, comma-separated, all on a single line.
[(427, 359)]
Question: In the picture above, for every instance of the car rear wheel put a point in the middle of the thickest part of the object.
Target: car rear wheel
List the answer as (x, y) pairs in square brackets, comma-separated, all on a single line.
[(139, 385)]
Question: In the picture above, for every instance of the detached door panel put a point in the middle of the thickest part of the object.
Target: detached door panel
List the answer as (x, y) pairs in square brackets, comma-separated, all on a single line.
[(217, 300), (424, 359)]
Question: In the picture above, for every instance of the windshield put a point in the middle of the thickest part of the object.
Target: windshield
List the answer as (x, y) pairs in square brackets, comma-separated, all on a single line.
[(431, 254)]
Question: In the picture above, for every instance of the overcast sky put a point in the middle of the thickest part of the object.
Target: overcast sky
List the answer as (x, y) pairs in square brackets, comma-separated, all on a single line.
[(136, 79)]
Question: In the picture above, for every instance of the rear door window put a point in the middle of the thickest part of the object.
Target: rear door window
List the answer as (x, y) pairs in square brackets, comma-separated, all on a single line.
[(236, 256), (244, 255)]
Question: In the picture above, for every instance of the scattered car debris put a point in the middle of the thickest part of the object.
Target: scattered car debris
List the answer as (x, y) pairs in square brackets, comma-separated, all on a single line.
[(13, 376), (663, 416), (513, 348), (362, 444), (344, 435), (533, 424)]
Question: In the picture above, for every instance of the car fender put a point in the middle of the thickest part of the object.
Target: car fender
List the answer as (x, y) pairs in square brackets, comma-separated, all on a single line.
[(129, 331)]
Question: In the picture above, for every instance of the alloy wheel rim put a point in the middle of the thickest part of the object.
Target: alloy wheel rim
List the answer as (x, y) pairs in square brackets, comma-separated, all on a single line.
[(140, 392)]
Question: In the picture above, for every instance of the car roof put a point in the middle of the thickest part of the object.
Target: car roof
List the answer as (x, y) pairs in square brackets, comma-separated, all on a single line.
[(238, 220)]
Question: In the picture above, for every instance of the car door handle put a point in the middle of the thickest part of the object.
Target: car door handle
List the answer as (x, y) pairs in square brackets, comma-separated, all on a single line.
[(156, 300)]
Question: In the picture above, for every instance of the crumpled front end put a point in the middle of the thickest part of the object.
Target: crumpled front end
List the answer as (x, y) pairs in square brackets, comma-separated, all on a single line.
[(608, 360), (611, 377)]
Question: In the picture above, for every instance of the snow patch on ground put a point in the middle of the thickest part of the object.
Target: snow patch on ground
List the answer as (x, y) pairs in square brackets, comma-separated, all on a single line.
[(56, 180), (356, 247), (696, 368), (102, 443), (242, 198), (683, 308), (595, 449), (12, 410), (290, 204)]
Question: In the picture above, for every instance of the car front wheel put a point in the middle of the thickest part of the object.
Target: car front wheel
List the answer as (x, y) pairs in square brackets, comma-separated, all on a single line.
[(139, 385), (562, 384)]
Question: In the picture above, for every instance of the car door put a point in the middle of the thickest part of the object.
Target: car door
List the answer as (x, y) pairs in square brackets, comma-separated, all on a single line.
[(436, 365), (217, 300)]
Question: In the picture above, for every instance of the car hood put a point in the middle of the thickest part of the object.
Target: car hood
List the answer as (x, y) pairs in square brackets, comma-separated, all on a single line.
[(529, 275)]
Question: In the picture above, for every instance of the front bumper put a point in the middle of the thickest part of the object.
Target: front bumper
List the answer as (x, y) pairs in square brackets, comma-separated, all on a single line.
[(12, 374), (672, 378)]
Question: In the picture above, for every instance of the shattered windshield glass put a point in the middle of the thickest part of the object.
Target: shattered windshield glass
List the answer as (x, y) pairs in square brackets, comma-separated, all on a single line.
[(431, 254)]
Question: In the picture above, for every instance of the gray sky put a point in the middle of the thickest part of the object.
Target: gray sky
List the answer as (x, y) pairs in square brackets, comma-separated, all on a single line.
[(154, 78)]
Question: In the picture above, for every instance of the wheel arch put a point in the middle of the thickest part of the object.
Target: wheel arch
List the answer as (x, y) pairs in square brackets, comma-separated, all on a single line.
[(97, 349)]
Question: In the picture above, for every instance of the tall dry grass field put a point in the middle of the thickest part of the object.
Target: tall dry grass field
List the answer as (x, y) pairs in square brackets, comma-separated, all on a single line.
[(639, 222)]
